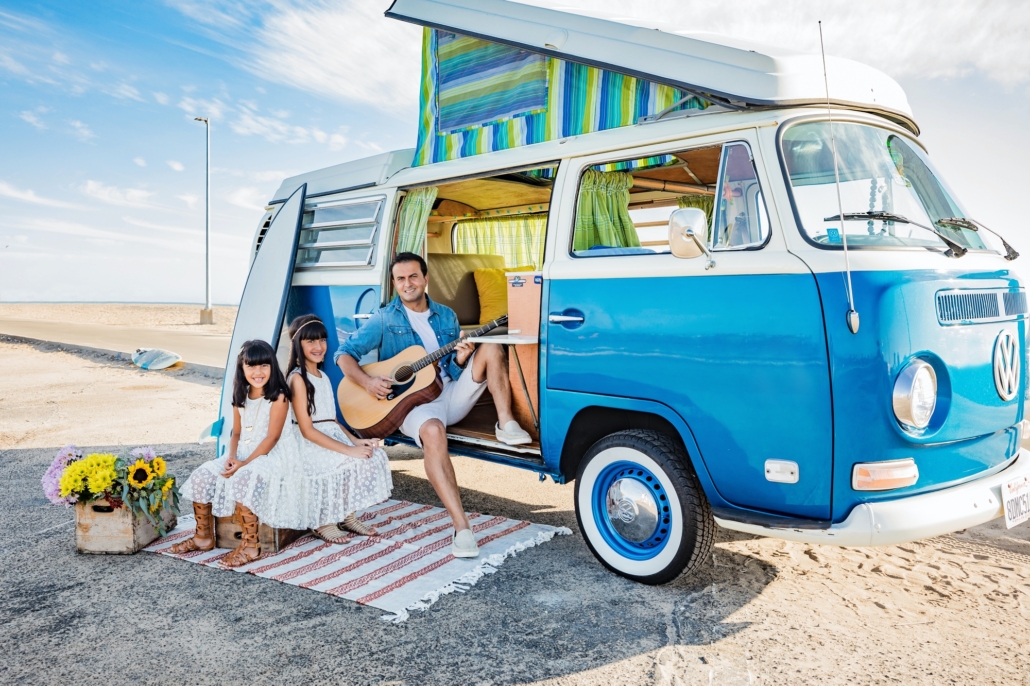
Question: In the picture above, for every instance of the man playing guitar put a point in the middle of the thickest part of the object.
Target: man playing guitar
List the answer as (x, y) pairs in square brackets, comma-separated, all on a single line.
[(412, 318)]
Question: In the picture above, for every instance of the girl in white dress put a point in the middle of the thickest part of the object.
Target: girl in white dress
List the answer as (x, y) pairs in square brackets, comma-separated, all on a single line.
[(259, 479), (342, 473)]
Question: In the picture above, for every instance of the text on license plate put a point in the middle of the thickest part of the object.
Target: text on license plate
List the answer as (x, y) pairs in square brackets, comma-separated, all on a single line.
[(1015, 494)]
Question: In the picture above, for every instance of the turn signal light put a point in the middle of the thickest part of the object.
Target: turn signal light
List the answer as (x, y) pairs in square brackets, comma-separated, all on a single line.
[(884, 476)]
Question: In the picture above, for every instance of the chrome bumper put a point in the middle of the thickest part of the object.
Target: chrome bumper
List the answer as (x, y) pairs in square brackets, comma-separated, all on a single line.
[(908, 519)]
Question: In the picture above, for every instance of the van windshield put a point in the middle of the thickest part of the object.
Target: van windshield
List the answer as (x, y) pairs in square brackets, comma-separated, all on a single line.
[(880, 171)]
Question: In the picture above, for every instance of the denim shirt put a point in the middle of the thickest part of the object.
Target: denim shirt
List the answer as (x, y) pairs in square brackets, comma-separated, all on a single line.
[(389, 331)]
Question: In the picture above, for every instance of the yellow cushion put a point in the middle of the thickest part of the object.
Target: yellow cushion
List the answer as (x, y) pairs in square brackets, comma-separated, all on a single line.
[(493, 292)]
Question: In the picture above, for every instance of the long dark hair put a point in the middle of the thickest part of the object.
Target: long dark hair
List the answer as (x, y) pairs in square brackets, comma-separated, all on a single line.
[(252, 354), (306, 327)]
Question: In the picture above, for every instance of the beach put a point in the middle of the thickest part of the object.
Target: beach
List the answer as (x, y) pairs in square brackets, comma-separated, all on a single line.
[(761, 611)]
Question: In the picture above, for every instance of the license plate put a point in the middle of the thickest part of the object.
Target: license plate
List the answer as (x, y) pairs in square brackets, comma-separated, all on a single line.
[(1015, 494)]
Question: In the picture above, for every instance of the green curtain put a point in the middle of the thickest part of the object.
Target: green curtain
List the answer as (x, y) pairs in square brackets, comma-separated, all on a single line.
[(701, 202), (602, 216), (519, 238), (411, 235)]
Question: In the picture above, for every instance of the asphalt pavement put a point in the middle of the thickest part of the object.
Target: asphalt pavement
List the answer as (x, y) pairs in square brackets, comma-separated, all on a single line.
[(551, 612)]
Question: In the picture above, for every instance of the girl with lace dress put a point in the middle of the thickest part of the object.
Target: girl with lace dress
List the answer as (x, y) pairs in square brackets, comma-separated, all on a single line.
[(342, 473), (259, 478)]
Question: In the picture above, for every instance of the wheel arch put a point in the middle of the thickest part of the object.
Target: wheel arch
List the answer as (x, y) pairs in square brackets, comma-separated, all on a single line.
[(594, 421)]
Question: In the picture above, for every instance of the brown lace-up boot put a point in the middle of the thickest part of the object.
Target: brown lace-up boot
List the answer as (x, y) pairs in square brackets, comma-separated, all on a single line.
[(250, 547), (204, 537)]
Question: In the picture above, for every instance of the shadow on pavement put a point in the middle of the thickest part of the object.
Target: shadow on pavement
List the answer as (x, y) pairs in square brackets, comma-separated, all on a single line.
[(551, 611)]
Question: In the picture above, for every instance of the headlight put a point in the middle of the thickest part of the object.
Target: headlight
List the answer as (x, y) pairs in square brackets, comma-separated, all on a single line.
[(915, 395)]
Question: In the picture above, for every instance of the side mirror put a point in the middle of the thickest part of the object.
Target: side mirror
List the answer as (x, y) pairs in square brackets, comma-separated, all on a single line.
[(688, 234)]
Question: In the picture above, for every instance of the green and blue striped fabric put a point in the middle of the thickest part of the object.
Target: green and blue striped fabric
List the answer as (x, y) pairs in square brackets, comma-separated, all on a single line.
[(473, 102), (480, 83)]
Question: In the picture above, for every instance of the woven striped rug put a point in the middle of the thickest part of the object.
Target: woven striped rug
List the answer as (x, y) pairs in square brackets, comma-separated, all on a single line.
[(407, 567)]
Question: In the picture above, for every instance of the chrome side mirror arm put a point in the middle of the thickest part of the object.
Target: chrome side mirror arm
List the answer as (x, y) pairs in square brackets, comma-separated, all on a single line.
[(709, 261)]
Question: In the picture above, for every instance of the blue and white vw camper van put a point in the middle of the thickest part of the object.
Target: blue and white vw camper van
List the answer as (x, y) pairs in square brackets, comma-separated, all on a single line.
[(745, 301)]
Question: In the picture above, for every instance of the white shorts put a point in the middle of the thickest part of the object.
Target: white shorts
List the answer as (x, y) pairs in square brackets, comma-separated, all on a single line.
[(454, 403)]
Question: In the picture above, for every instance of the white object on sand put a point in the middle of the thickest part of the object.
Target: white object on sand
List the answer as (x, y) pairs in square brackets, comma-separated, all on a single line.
[(154, 358)]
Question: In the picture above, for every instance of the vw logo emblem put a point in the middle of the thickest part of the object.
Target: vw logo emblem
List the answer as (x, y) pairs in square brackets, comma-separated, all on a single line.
[(1006, 366), (626, 510)]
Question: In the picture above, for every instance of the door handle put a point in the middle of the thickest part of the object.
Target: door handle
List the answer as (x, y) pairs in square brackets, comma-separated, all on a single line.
[(563, 318)]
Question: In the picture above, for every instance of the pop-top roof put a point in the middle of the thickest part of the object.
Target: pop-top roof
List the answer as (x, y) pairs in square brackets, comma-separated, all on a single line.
[(727, 72)]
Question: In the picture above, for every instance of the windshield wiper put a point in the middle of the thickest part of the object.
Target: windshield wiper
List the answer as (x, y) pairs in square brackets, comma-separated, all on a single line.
[(954, 249), (973, 225)]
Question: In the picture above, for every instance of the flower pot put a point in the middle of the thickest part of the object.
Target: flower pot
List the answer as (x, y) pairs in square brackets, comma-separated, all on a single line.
[(101, 528)]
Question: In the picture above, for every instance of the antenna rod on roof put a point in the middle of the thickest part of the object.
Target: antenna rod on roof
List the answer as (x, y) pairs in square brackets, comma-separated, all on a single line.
[(852, 316)]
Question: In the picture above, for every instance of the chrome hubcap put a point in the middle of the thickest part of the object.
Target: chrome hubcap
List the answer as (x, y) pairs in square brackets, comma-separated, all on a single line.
[(632, 510)]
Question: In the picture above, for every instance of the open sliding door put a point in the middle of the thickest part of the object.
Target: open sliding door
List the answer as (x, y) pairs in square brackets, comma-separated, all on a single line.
[(263, 304)]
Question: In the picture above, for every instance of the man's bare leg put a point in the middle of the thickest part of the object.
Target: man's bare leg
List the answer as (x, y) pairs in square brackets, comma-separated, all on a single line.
[(491, 363), (441, 472)]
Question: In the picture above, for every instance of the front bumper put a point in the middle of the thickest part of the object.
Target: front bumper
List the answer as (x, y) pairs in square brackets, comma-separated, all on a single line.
[(908, 519)]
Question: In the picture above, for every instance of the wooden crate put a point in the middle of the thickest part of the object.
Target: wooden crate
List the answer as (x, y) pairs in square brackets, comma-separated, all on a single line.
[(228, 534), (102, 529)]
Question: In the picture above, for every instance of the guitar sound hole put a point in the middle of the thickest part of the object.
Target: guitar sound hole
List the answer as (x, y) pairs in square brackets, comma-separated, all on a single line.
[(403, 374)]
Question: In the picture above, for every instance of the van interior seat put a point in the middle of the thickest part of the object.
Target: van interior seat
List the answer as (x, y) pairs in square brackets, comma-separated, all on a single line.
[(452, 283)]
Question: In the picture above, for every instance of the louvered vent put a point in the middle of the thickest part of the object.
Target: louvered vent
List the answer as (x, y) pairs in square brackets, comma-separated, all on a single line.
[(974, 307), (262, 232), (1015, 303)]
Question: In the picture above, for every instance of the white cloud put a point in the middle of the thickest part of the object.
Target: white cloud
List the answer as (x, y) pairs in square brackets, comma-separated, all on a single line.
[(140, 162), (247, 198), (61, 58), (917, 38), (337, 141), (346, 50), (175, 165), (272, 175), (112, 195), (12, 65), (190, 200), (32, 118), (124, 91), (248, 122), (161, 98), (194, 107), (82, 131), (9, 191)]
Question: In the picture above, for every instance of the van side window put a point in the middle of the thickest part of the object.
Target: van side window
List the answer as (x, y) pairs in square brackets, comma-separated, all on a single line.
[(741, 220), (623, 206)]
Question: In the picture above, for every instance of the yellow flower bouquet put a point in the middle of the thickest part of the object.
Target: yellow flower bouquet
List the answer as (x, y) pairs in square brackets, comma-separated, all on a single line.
[(140, 482)]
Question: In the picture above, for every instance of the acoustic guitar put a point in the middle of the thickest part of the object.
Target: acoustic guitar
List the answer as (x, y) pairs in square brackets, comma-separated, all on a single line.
[(415, 381)]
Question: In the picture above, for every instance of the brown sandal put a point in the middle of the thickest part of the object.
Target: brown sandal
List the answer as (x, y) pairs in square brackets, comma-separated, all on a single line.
[(250, 547), (352, 523), (204, 537), (331, 533)]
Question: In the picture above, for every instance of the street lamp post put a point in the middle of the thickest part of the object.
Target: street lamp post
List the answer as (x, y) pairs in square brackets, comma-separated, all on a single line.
[(207, 315)]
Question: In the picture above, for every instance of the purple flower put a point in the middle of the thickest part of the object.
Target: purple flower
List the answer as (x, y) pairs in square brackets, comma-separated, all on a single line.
[(144, 453), (52, 478)]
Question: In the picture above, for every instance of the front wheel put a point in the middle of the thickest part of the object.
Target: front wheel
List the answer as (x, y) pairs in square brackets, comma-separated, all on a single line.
[(641, 509)]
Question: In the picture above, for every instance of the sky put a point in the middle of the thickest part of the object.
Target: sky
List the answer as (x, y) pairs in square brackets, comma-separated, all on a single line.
[(102, 164)]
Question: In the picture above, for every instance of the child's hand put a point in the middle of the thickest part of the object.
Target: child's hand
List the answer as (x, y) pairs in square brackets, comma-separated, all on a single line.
[(361, 451), (231, 466), (374, 442)]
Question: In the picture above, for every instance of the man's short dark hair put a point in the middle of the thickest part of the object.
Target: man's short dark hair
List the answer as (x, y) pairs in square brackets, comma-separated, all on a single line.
[(409, 257)]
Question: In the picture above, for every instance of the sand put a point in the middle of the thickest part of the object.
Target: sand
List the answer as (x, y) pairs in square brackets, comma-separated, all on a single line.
[(945, 610), (159, 317)]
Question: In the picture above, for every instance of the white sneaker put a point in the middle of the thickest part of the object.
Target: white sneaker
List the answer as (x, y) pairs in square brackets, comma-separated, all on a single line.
[(463, 544), (512, 434)]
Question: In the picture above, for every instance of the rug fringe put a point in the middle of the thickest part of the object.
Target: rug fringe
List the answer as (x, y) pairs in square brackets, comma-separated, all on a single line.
[(470, 578)]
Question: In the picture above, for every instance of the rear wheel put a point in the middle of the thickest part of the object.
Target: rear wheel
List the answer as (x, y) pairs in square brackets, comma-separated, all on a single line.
[(641, 509)]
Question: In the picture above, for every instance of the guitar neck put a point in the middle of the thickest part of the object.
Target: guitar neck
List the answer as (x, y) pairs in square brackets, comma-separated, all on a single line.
[(446, 350)]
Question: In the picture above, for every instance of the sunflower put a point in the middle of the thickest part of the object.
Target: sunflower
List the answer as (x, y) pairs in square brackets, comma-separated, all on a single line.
[(159, 466), (168, 485), (140, 474)]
